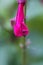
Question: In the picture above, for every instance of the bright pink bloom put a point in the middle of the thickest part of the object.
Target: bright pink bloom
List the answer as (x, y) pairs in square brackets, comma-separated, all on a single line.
[(20, 28)]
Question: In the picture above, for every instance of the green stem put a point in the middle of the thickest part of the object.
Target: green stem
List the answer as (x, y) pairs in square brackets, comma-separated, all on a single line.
[(24, 53), (24, 48)]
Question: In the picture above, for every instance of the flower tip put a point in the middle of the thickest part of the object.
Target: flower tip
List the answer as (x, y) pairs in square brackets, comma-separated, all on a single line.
[(13, 20), (21, 1)]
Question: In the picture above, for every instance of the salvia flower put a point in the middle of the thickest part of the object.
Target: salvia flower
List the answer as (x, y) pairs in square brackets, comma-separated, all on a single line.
[(20, 29)]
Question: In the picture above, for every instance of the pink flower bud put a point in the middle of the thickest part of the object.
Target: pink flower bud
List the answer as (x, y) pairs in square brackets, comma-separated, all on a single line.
[(20, 29)]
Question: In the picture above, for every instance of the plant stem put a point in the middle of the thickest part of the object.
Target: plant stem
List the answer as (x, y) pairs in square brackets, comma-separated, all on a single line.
[(24, 48), (24, 53)]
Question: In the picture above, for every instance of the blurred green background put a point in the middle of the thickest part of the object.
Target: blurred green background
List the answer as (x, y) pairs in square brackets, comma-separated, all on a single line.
[(10, 51)]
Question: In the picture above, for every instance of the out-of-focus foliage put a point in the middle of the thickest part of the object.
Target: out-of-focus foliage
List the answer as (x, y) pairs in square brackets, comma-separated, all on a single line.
[(10, 52)]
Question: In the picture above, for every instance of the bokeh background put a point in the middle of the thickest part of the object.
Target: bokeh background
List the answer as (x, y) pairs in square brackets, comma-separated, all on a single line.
[(10, 51)]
